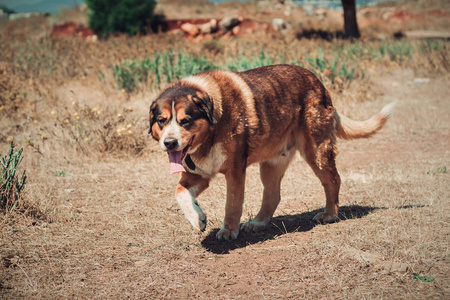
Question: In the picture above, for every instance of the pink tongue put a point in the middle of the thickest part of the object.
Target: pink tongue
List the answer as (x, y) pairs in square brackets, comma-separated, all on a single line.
[(175, 162)]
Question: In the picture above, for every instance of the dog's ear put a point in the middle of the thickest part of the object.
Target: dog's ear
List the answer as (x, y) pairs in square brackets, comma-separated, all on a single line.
[(205, 105), (152, 116)]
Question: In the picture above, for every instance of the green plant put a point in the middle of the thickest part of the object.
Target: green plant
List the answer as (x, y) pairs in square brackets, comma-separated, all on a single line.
[(213, 46), (127, 16), (7, 10), (337, 67), (396, 51), (36, 58), (60, 174), (317, 63), (160, 68), (244, 63), (422, 278), (442, 170), (12, 186), (430, 46)]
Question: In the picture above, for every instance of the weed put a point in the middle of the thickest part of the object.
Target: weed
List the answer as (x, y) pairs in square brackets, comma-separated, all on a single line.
[(317, 63), (213, 46), (12, 186), (244, 63), (442, 170), (340, 65), (60, 174), (160, 68), (422, 278), (105, 131), (10, 86), (36, 59), (397, 52), (125, 77), (430, 46)]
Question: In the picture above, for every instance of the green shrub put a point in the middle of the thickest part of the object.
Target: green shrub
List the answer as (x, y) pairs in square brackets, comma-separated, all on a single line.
[(396, 51), (243, 63), (11, 185), (338, 66), (127, 16), (160, 68), (7, 10)]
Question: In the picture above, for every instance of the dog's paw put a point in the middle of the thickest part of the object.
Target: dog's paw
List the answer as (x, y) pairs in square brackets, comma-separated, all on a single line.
[(325, 218), (226, 234), (192, 211), (196, 217), (201, 221), (254, 226)]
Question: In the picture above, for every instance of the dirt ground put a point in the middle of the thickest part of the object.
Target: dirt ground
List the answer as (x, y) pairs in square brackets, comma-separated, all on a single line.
[(111, 227)]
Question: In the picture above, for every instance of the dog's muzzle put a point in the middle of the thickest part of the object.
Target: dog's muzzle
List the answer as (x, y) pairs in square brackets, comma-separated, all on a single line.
[(171, 144)]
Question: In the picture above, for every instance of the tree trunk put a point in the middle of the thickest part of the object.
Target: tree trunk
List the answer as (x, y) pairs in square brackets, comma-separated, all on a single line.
[(350, 23)]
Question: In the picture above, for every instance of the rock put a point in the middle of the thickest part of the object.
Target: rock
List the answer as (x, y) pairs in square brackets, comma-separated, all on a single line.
[(368, 257), (209, 27), (377, 261), (321, 13), (287, 11), (92, 38), (278, 24), (309, 10), (190, 29), (421, 80), (227, 24), (427, 34), (236, 30), (396, 267)]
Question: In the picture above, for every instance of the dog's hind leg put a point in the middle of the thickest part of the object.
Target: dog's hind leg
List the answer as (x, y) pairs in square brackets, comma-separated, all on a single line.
[(321, 159), (189, 187), (272, 173)]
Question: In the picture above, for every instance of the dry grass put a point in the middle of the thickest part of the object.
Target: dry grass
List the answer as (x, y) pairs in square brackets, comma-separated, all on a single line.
[(112, 229)]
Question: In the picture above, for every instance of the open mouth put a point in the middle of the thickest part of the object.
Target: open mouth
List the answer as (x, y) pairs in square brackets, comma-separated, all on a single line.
[(185, 150), (176, 158)]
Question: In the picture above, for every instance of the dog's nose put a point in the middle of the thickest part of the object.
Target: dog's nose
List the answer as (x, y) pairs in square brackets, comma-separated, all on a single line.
[(171, 143)]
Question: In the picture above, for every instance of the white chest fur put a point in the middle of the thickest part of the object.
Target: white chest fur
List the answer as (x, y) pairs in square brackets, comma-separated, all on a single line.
[(210, 165)]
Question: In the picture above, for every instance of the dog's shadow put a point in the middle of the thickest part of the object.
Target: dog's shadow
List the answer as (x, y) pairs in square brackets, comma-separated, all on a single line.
[(279, 226)]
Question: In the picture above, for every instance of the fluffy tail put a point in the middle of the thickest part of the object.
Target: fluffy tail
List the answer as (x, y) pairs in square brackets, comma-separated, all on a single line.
[(349, 129)]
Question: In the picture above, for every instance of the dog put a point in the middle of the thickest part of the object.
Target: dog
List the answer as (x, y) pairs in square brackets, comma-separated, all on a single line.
[(222, 121)]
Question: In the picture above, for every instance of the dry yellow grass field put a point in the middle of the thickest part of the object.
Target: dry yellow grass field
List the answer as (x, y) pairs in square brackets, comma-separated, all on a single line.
[(102, 220)]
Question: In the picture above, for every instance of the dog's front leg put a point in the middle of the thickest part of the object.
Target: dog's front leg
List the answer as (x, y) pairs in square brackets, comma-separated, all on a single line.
[(189, 187), (233, 207)]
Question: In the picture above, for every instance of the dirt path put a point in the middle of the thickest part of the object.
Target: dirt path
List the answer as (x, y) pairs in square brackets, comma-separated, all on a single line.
[(117, 232)]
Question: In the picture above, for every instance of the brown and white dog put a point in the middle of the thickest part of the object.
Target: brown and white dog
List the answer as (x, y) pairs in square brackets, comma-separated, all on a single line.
[(222, 121)]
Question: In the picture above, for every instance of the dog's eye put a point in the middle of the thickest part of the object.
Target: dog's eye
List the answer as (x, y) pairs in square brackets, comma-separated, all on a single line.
[(185, 122), (162, 122)]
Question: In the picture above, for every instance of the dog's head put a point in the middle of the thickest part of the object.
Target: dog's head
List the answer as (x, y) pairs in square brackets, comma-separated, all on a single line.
[(181, 118)]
